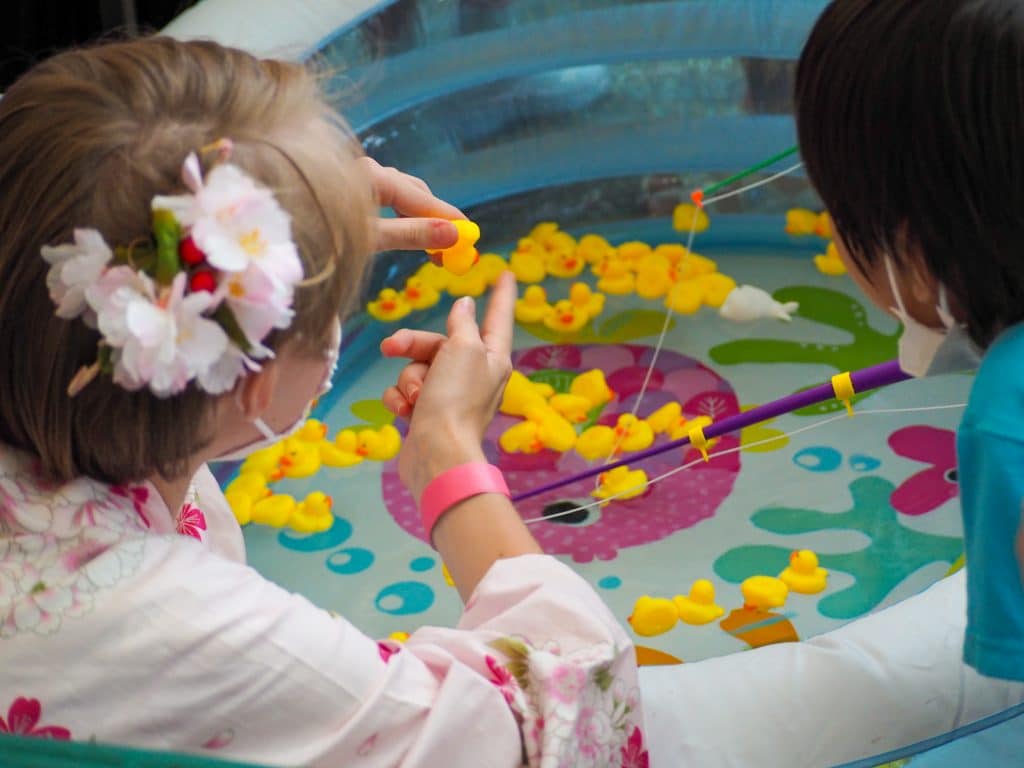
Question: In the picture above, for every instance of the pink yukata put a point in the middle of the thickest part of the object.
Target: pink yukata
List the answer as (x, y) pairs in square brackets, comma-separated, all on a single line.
[(123, 623)]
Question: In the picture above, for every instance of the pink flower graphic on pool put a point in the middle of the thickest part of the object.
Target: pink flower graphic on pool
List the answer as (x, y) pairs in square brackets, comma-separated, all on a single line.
[(191, 522), (23, 720), (930, 488), (633, 754)]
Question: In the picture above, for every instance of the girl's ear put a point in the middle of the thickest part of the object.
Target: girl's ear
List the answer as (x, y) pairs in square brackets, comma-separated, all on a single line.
[(256, 391)]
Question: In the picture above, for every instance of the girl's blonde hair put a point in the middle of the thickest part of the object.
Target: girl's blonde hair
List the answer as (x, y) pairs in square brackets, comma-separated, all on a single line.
[(87, 138)]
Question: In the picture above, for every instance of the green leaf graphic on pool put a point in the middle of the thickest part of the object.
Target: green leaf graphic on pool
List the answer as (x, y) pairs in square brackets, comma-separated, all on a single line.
[(894, 551), (827, 307)]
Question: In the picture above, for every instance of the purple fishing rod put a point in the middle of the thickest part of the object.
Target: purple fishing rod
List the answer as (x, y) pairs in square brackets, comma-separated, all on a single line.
[(863, 381)]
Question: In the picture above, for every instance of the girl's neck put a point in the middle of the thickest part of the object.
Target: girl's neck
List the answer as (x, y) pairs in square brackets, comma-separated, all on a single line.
[(173, 491)]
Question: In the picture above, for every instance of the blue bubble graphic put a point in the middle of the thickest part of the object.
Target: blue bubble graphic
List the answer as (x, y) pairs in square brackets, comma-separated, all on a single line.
[(610, 582), (404, 598), (349, 561), (819, 459), (421, 564), (861, 463), (314, 542)]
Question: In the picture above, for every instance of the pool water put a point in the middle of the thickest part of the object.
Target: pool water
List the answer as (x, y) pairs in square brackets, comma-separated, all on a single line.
[(875, 496)]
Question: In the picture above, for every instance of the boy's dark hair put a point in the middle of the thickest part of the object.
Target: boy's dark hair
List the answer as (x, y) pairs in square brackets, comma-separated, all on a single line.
[(910, 116)]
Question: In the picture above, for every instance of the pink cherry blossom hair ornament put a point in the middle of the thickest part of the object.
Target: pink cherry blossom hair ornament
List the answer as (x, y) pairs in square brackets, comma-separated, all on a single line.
[(193, 301)]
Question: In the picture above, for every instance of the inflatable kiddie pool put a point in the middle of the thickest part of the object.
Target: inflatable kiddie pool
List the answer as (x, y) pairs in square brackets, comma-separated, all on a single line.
[(603, 117)]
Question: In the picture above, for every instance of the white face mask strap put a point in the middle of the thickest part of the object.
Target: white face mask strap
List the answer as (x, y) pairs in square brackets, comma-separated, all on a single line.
[(264, 429), (894, 286)]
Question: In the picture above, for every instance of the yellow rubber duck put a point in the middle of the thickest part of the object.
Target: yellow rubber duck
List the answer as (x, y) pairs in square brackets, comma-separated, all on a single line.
[(716, 287), (566, 317), (615, 277), (553, 430), (300, 458), (521, 437), (685, 297), (342, 452), (699, 606), (687, 216), (472, 282), (275, 510), (313, 431), (673, 253), (244, 491), (434, 276), (527, 261), (694, 265), (653, 616), (632, 252), (653, 280), (420, 294), (265, 461), (620, 484), (521, 394), (665, 418), (564, 263), (558, 242), (492, 266), (458, 258), (586, 300), (823, 226), (829, 263), (389, 307), (632, 434), (803, 574), (801, 222), (596, 442), (313, 514), (593, 386), (381, 444), (573, 408), (764, 592), (533, 307), (543, 231), (594, 249)]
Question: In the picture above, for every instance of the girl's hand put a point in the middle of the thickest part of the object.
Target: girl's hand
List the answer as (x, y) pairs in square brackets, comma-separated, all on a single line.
[(452, 387), (424, 221)]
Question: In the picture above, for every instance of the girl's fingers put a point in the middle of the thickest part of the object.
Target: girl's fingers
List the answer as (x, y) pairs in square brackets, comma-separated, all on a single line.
[(415, 234), (499, 323), (410, 381), (395, 402), (421, 346)]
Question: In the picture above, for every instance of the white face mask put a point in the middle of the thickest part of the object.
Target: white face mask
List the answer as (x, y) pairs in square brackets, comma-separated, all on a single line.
[(270, 437), (925, 351)]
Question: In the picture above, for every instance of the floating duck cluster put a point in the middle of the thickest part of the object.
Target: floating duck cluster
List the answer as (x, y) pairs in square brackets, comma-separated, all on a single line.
[(303, 455), (683, 280), (565, 316), (424, 288), (801, 222), (657, 615)]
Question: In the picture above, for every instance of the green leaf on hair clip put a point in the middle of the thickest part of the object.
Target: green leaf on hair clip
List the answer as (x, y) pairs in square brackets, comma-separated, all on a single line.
[(104, 357), (167, 233), (226, 319)]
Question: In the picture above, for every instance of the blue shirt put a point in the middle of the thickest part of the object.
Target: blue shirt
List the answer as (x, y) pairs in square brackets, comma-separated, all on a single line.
[(990, 446)]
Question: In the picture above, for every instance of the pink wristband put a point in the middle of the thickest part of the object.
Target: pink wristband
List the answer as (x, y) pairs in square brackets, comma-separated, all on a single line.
[(455, 486)]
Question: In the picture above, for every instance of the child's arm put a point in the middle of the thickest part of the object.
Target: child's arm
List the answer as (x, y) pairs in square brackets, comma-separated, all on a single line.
[(452, 390), (992, 494)]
